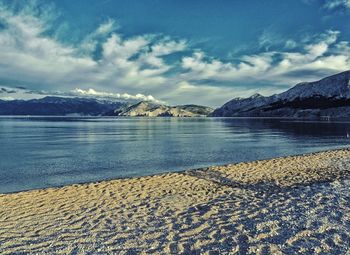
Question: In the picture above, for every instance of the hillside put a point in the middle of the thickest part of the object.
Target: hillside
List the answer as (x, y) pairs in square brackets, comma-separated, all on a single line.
[(149, 109), (58, 106), (327, 97)]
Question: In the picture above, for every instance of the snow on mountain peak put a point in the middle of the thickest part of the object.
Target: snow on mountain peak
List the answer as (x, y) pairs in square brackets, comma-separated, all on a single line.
[(335, 86)]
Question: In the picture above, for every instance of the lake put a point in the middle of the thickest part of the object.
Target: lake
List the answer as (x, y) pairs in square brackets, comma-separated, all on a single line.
[(39, 152)]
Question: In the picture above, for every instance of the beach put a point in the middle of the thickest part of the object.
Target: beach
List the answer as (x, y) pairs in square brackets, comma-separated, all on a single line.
[(296, 204)]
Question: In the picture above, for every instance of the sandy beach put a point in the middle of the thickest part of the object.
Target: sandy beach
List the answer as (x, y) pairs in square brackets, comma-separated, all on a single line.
[(296, 204)]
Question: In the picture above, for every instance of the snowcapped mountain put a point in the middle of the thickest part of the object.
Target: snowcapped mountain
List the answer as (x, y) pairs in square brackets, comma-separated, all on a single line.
[(327, 97), (61, 106), (240, 105), (335, 86), (58, 106)]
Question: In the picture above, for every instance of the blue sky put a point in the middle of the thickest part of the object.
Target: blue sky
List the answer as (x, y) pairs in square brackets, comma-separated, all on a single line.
[(203, 52)]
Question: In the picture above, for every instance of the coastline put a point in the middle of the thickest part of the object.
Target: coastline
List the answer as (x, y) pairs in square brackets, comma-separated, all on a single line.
[(282, 205), (199, 169)]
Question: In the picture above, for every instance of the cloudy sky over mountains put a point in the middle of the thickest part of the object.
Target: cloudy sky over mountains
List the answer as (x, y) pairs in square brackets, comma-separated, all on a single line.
[(203, 52)]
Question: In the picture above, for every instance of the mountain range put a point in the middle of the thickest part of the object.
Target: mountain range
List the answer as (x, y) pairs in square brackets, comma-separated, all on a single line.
[(60, 106), (328, 97)]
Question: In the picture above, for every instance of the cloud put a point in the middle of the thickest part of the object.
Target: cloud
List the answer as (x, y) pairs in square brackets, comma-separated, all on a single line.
[(211, 95), (168, 46), (125, 96), (91, 41), (335, 4), (330, 5), (7, 91), (202, 67), (23, 93), (269, 38), (28, 55), (290, 44), (152, 67), (323, 55)]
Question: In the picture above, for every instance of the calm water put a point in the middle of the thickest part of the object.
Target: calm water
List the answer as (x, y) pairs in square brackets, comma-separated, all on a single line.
[(43, 152)]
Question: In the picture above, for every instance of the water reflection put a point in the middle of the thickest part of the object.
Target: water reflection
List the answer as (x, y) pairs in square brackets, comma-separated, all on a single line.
[(42, 152), (291, 127)]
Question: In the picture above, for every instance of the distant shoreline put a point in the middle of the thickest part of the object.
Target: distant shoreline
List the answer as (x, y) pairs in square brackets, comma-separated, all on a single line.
[(175, 117)]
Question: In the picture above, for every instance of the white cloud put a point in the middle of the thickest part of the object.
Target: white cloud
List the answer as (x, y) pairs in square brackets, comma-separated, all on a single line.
[(91, 41), (321, 55), (124, 96), (212, 95), (106, 28), (333, 4), (26, 53), (290, 44), (106, 61), (201, 67), (269, 38), (168, 46), (7, 93), (29, 55)]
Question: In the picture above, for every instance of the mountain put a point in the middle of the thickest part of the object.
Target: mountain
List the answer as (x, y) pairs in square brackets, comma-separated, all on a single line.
[(238, 106), (327, 97), (157, 110), (58, 106)]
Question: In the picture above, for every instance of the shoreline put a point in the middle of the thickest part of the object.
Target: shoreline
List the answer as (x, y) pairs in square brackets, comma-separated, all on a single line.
[(281, 205), (346, 148)]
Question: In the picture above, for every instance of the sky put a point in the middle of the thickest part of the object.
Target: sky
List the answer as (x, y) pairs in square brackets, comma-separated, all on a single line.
[(175, 52)]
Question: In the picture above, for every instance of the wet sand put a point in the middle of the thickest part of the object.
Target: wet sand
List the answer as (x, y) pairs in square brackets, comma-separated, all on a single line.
[(297, 204)]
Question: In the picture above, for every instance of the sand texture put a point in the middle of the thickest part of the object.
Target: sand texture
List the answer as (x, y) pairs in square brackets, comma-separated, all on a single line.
[(287, 205)]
